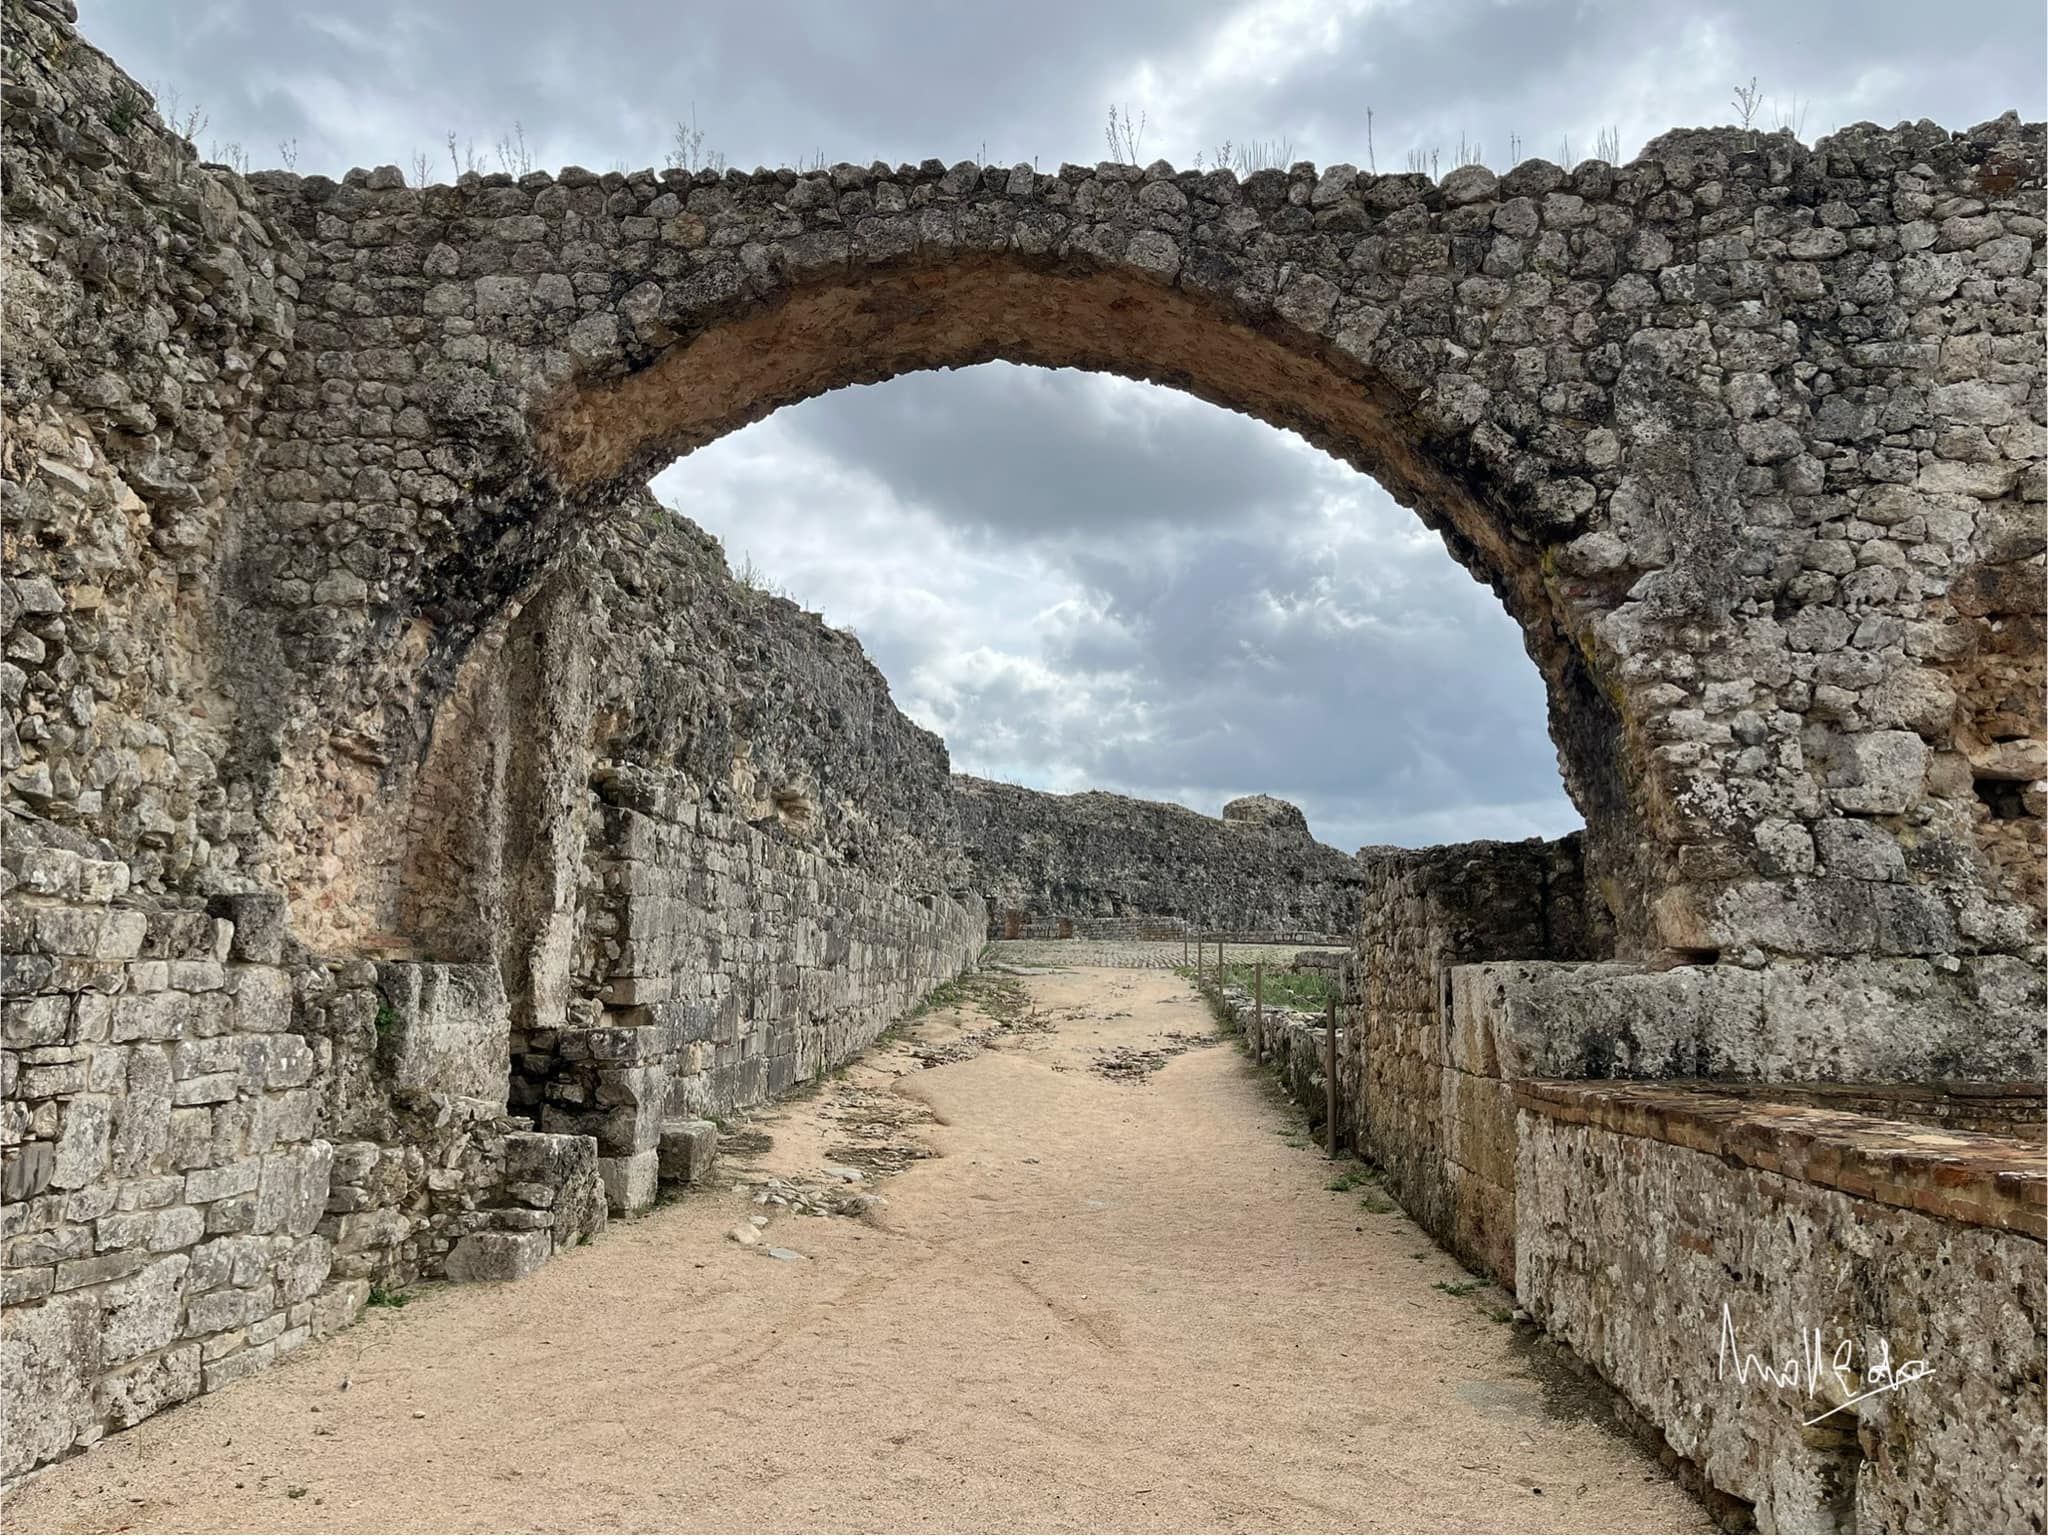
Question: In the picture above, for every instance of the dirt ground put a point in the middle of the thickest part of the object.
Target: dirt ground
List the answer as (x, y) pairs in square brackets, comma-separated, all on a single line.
[(1111, 1288)]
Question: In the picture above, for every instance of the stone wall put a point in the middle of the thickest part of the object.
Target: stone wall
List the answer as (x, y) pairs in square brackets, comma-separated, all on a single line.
[(728, 963), (1643, 1214), (1747, 436), (210, 1154), (1479, 965), (290, 1012), (1438, 1122), (702, 885), (1039, 859), (1907, 1219)]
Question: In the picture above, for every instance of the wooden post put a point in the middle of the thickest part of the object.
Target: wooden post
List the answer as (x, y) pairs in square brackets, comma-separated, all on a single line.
[(1183, 946), (1198, 962), (1258, 1011), (1330, 1077), (1219, 967)]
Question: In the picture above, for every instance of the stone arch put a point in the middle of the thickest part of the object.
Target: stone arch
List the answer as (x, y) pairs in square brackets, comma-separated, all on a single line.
[(1739, 433), (600, 437)]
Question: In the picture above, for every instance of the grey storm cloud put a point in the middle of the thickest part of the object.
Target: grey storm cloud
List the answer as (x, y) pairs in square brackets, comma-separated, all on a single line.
[(1081, 581), (1007, 450), (779, 82)]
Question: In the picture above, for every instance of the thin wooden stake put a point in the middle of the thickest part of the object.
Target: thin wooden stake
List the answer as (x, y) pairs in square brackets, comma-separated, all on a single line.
[(1257, 1028), (1330, 1077)]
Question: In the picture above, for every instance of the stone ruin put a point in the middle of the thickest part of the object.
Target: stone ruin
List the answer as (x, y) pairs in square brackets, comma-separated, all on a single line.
[(411, 828), (1098, 866)]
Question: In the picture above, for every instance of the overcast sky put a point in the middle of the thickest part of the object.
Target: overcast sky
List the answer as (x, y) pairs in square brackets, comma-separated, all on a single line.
[(1079, 581)]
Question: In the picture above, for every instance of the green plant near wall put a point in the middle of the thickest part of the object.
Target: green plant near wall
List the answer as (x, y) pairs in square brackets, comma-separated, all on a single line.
[(1309, 991)]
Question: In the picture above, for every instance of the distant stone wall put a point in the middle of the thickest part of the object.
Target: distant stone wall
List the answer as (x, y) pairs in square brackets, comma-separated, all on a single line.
[(727, 963), (1013, 924), (1039, 859), (1437, 1122), (1644, 1212)]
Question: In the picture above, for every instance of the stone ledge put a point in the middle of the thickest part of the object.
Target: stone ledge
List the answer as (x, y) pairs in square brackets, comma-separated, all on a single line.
[(1984, 1181)]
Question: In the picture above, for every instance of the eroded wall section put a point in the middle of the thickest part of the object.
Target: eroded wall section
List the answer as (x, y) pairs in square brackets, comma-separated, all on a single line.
[(1040, 859)]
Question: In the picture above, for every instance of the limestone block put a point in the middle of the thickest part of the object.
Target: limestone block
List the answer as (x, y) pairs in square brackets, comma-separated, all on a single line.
[(230, 1368), (27, 1022), (132, 1393), (142, 1115), (338, 1305), (84, 1145), (206, 1184), (449, 1030), (688, 1150), (259, 926), (498, 1255), (630, 1182), (228, 1307), (142, 1311), (1879, 773), (49, 1358), (262, 999), (563, 1170)]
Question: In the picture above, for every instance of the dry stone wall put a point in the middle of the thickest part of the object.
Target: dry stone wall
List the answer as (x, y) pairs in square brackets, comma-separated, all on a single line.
[(1668, 1237), (1855, 1231), (1440, 1124), (1052, 866), (1485, 964), (272, 1037)]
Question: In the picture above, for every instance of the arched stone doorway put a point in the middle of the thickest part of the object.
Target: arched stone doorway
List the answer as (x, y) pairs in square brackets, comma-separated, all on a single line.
[(1670, 412)]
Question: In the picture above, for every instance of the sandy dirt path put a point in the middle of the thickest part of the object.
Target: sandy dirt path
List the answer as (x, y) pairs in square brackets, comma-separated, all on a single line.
[(1092, 1301)]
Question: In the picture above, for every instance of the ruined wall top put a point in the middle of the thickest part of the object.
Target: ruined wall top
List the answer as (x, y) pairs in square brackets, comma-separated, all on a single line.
[(1096, 855)]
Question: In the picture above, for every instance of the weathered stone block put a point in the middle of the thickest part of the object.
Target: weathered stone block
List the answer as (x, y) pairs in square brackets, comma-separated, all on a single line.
[(688, 1150), (205, 1184), (84, 1146), (262, 999), (132, 1393), (228, 1307), (559, 1174), (232, 1368), (142, 1310), (498, 1255), (630, 1182), (49, 1360), (259, 926), (449, 1032)]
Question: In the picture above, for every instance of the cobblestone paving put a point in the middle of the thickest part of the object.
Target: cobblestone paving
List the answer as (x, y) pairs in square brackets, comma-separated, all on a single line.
[(1139, 954)]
